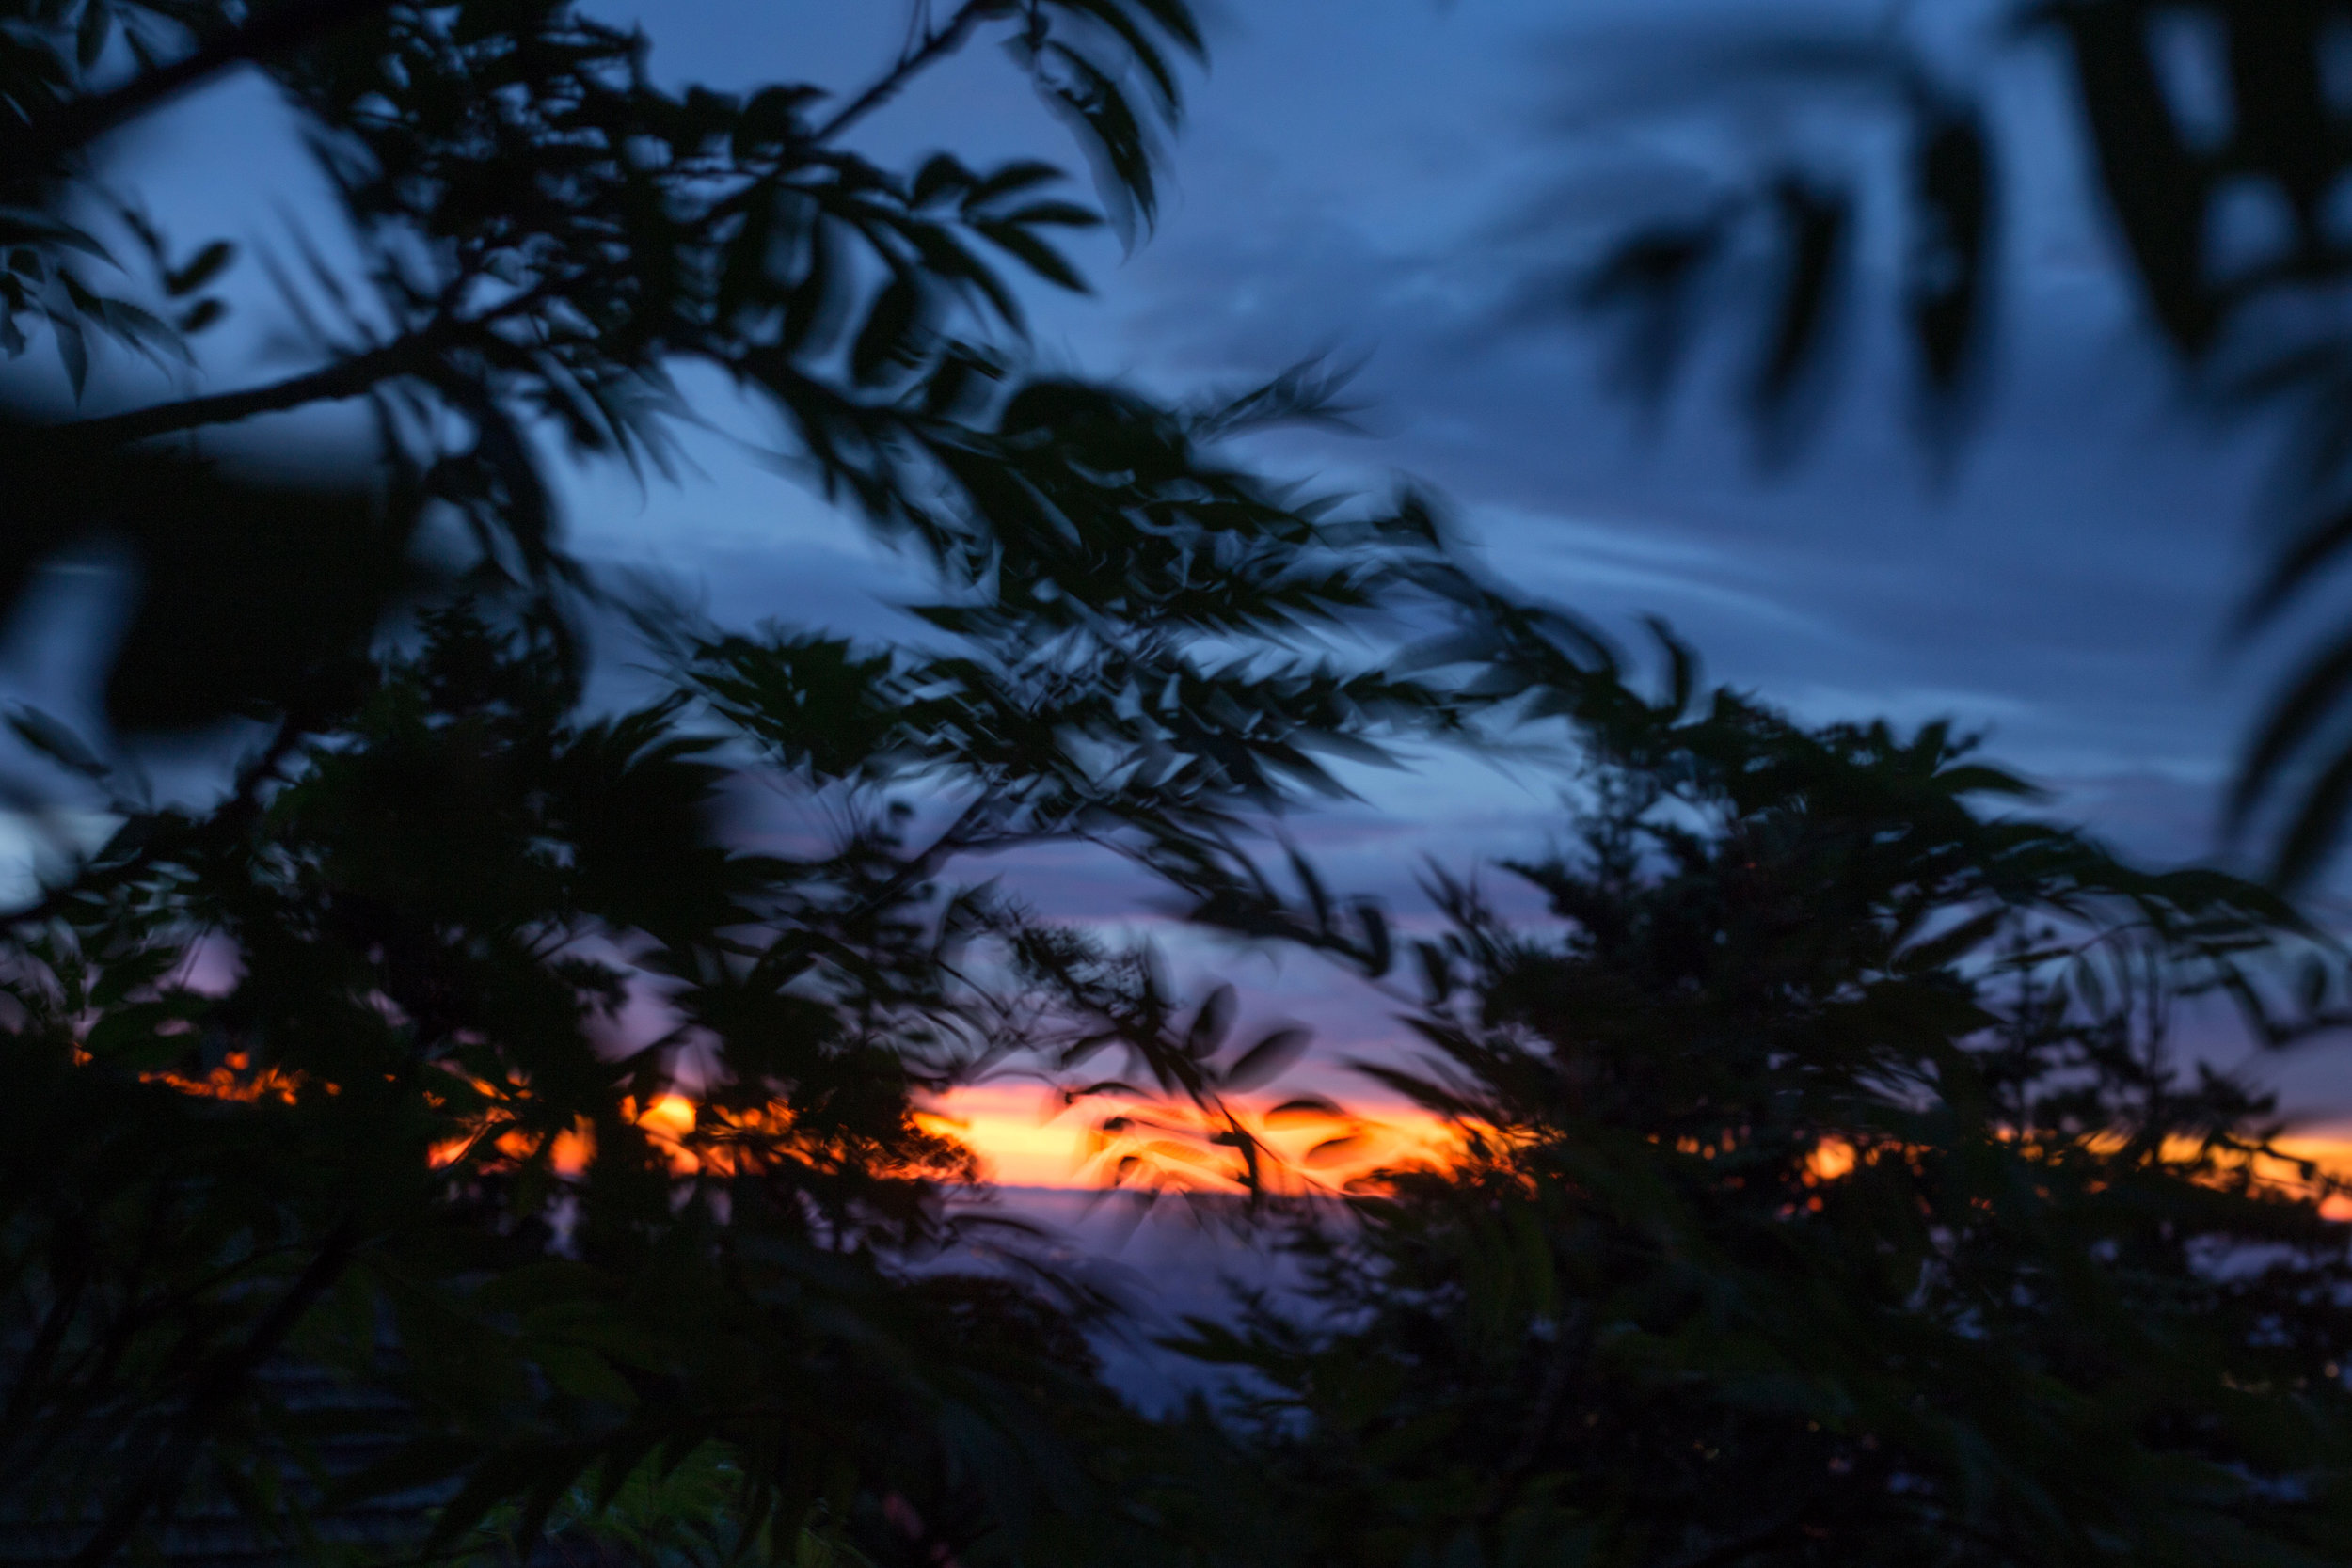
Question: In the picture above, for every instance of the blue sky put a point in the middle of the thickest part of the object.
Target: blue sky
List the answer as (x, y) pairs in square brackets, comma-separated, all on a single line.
[(1412, 183), (1392, 179)]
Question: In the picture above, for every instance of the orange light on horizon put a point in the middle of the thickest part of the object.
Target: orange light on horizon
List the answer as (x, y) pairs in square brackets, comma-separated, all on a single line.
[(232, 1080), (2333, 1153), (1031, 1136), (1013, 1130), (1831, 1159)]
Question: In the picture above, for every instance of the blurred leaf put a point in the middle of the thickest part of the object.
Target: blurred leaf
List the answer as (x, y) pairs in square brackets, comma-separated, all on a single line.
[(1268, 1058)]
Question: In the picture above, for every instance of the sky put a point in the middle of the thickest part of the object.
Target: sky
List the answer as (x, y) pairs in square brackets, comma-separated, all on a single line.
[(1413, 184)]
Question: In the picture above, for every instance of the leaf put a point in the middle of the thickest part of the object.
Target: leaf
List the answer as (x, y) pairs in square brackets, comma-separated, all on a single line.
[(54, 740), (1211, 1023), (2297, 566), (1318, 899), (1033, 253), (1093, 102), (90, 41), (2158, 193), (2318, 823), (1813, 222), (1379, 951), (1067, 215), (1951, 261), (884, 344), (207, 264), (2294, 718), (1333, 1150), (1010, 180), (23, 225), (583, 1375), (1648, 280), (772, 116), (816, 303), (1436, 972), (941, 175), (2090, 987), (128, 1037), (1268, 1058), (73, 350)]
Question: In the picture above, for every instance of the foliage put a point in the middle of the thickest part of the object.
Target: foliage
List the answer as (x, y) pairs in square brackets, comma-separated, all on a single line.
[(457, 1113), (547, 237), (398, 1139), (1845, 1176), (683, 1514), (484, 1109), (2216, 133)]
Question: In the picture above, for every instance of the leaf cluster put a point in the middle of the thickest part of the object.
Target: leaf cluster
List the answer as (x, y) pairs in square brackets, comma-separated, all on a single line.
[(1840, 1176)]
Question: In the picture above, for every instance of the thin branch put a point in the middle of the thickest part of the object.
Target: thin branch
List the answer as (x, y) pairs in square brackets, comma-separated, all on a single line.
[(41, 142), (345, 378), (158, 1490), (65, 1300), (935, 46)]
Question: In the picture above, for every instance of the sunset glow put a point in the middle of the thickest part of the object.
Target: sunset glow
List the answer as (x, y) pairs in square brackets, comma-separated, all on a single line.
[(1027, 1136), (1030, 1135)]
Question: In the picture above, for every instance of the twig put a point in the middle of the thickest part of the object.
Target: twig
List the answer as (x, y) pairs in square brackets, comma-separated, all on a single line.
[(935, 46), (39, 143), (345, 378), (159, 1488)]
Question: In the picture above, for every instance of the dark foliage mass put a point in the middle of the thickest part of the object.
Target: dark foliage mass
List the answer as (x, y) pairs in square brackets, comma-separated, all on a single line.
[(1832, 1188), (346, 1069), (476, 1125)]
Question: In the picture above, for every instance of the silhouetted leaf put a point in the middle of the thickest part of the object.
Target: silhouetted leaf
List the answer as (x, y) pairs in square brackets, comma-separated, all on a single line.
[(54, 741), (1268, 1058)]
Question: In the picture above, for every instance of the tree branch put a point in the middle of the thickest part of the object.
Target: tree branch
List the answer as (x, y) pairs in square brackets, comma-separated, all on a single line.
[(40, 142), (935, 46), (67, 1284), (345, 378), (156, 1490)]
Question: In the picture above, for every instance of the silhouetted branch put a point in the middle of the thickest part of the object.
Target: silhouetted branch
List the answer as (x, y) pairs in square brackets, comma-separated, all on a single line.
[(81, 120), (346, 378), (159, 1488), (936, 45)]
